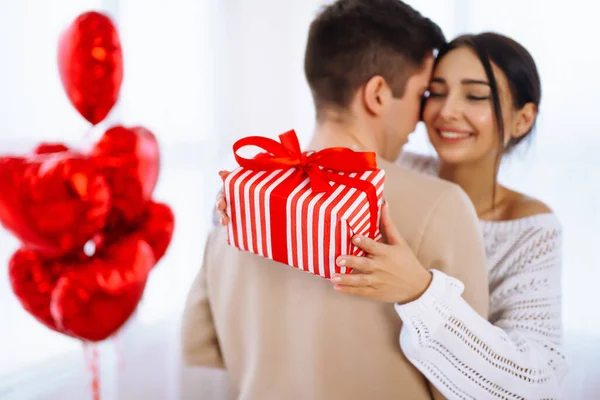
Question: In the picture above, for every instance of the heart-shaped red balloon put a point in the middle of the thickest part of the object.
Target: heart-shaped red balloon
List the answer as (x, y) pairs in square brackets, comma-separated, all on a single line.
[(156, 229), (53, 203), (90, 63), (33, 278), (129, 159), (88, 298), (49, 148), (93, 301)]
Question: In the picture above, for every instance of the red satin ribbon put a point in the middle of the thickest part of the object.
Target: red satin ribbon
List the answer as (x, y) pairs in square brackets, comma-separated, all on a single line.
[(321, 167)]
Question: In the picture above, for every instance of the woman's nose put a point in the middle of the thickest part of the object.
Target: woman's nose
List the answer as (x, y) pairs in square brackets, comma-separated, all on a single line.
[(451, 109)]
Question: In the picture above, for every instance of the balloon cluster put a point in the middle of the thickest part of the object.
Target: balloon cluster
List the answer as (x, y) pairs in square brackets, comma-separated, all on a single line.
[(89, 229)]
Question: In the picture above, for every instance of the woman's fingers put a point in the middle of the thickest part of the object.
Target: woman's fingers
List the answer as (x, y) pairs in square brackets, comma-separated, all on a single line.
[(355, 280), (223, 174), (224, 219), (363, 264), (368, 245), (388, 227), (221, 204), (364, 291), (221, 207)]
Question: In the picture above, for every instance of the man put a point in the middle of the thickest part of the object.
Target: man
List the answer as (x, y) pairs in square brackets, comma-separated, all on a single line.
[(285, 334)]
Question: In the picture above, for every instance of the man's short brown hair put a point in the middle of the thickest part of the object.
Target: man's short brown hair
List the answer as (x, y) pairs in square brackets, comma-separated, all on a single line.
[(350, 41)]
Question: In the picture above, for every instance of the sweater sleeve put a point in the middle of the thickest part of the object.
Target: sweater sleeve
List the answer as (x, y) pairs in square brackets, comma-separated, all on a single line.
[(514, 355)]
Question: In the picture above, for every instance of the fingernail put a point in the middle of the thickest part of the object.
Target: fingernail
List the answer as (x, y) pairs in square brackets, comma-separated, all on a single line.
[(341, 262), (336, 279), (357, 239), (222, 220)]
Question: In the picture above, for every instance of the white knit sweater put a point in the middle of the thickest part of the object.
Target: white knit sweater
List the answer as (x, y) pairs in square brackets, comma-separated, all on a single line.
[(514, 355)]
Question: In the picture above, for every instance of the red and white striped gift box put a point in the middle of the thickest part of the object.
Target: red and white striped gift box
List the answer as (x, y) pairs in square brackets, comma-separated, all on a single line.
[(277, 215)]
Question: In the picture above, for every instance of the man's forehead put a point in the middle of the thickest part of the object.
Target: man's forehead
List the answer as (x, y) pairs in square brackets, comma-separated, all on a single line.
[(428, 63), (423, 74)]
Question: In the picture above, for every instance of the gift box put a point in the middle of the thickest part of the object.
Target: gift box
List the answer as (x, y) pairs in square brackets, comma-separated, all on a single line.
[(302, 208)]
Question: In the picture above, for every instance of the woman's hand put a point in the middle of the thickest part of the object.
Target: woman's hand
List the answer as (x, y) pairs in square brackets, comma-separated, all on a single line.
[(221, 205), (390, 272)]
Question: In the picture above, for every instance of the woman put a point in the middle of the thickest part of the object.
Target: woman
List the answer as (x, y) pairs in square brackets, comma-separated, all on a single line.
[(483, 101)]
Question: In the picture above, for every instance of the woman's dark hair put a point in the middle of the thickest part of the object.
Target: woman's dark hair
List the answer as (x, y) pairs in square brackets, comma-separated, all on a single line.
[(519, 68)]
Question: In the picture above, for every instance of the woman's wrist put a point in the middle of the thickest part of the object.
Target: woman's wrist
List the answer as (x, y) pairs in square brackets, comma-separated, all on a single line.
[(443, 288), (421, 282)]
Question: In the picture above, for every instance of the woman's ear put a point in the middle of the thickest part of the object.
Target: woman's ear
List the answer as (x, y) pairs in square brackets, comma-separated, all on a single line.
[(525, 119)]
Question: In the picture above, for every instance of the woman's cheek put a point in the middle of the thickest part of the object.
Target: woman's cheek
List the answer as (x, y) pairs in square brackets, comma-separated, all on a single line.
[(430, 111), (485, 125)]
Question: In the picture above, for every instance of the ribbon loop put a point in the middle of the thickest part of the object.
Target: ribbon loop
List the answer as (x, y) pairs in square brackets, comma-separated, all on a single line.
[(288, 154)]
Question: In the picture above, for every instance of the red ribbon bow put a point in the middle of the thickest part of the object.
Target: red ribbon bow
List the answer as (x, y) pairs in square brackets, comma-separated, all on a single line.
[(322, 167)]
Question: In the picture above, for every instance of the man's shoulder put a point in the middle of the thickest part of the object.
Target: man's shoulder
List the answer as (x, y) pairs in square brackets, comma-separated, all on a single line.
[(219, 253), (217, 245), (418, 200), (410, 184)]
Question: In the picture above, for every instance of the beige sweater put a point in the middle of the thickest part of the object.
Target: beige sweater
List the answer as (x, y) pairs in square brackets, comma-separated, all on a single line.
[(285, 334)]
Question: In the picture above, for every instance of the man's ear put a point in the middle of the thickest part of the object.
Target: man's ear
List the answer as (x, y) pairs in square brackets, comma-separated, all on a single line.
[(375, 94)]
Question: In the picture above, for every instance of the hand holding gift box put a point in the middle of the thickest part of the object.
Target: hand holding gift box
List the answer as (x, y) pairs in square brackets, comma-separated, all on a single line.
[(302, 208)]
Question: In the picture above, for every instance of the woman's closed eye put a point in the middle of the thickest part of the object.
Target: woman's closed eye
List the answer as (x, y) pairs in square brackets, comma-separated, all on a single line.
[(434, 94), (477, 97)]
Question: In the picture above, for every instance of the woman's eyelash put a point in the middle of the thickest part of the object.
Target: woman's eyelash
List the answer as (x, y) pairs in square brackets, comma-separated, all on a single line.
[(478, 97), (470, 97)]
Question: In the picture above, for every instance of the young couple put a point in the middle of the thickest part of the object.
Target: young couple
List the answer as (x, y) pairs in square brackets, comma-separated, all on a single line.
[(470, 284)]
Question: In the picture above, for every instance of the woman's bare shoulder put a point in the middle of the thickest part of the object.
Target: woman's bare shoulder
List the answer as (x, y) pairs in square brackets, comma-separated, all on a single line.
[(525, 206)]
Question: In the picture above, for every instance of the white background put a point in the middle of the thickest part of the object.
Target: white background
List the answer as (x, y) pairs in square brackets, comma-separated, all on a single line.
[(202, 73)]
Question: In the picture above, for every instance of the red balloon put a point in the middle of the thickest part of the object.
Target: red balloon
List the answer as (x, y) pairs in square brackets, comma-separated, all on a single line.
[(53, 203), (87, 298), (33, 279), (156, 229), (49, 148), (129, 159), (90, 63)]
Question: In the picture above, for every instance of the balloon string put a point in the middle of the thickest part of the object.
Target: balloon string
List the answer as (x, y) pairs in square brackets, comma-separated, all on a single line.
[(93, 366), (86, 140), (89, 133), (119, 352)]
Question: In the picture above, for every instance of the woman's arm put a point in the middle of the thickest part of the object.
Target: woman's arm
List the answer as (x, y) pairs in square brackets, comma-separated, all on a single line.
[(516, 355)]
